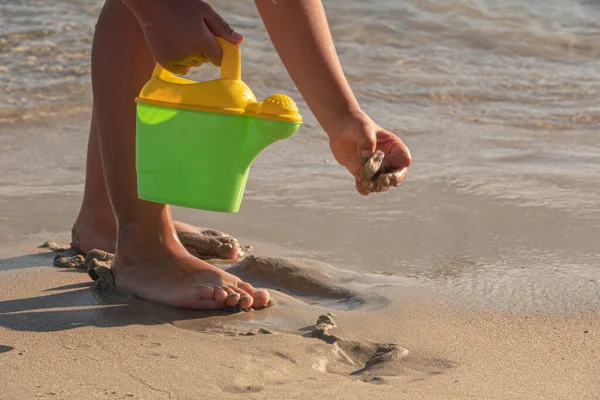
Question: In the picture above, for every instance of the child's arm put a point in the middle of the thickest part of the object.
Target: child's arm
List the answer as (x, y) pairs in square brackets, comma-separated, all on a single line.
[(300, 34), (180, 35)]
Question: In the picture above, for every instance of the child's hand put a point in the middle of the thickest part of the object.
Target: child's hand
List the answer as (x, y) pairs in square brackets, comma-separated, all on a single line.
[(357, 139), (180, 33)]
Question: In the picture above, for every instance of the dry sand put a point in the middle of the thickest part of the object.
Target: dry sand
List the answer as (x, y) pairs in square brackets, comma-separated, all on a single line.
[(395, 336)]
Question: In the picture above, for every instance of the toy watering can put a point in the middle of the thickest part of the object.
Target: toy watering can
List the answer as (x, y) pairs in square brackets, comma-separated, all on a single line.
[(196, 141)]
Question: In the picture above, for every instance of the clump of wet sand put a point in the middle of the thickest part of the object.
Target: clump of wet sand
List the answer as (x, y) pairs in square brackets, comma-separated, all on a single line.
[(211, 244), (97, 263), (375, 175)]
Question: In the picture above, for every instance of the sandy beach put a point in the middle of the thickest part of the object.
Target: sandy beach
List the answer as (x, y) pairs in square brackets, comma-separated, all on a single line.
[(478, 278), (457, 334)]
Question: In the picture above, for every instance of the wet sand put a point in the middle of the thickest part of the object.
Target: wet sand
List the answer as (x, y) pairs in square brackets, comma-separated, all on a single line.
[(396, 334)]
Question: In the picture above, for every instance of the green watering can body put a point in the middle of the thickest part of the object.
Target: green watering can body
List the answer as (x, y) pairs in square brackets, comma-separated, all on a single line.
[(196, 141)]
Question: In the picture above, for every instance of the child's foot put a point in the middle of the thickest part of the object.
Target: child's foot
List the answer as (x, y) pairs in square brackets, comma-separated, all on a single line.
[(165, 272), (200, 242)]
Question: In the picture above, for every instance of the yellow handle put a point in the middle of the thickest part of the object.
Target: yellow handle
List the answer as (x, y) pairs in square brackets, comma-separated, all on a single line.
[(231, 62)]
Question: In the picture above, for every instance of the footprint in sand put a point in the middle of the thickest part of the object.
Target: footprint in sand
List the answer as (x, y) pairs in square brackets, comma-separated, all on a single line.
[(363, 359)]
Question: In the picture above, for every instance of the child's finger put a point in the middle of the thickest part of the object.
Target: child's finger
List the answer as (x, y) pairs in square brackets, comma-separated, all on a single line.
[(177, 69), (191, 62), (397, 154), (366, 139), (398, 178), (219, 27), (368, 184), (359, 187), (372, 187), (392, 178), (196, 61), (206, 45), (377, 188), (384, 179)]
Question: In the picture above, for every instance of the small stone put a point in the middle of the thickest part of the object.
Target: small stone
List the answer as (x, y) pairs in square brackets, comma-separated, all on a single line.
[(371, 166), (264, 331)]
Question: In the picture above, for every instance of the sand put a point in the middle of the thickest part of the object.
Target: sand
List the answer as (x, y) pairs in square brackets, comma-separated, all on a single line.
[(477, 295), (477, 278), (334, 330)]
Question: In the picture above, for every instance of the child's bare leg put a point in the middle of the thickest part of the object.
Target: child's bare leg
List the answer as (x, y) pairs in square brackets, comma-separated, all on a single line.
[(95, 226), (149, 261)]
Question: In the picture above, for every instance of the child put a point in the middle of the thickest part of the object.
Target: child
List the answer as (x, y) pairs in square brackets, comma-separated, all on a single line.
[(131, 36)]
